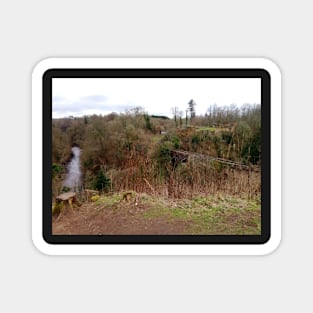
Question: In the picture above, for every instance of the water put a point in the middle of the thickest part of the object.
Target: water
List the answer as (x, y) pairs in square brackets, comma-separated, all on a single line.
[(74, 174)]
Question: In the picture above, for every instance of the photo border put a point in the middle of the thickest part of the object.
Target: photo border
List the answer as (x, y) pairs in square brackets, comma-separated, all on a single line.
[(192, 70)]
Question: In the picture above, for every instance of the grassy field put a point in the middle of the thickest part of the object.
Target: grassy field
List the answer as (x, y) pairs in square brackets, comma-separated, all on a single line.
[(201, 215)]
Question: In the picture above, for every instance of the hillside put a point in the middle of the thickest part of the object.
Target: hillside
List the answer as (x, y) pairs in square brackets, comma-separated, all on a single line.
[(123, 151), (200, 175)]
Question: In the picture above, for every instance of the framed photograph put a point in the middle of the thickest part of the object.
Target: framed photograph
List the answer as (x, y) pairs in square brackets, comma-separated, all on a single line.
[(156, 156)]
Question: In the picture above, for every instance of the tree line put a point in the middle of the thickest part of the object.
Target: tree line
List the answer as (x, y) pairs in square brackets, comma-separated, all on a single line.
[(132, 150)]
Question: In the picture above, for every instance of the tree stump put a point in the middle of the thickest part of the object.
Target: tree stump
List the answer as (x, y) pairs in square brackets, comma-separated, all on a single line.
[(68, 198), (90, 193)]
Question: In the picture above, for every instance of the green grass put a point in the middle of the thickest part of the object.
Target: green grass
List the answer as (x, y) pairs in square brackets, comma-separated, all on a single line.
[(212, 129), (211, 215), (206, 128), (155, 138), (109, 202), (214, 214)]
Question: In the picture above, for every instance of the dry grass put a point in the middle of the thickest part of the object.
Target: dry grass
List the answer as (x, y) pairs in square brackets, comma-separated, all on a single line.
[(186, 181)]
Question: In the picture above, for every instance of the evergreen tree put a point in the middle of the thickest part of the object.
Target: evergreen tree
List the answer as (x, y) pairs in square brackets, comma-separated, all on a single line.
[(192, 109), (102, 182)]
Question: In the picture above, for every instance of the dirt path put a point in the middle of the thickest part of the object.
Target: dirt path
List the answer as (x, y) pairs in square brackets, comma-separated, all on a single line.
[(144, 214), (128, 220)]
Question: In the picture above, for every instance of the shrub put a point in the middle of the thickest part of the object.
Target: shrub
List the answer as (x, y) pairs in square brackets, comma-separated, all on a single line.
[(65, 189), (102, 183), (195, 140), (56, 169), (176, 142)]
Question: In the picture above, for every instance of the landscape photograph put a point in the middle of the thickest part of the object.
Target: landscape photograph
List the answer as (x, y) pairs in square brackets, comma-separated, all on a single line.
[(156, 156)]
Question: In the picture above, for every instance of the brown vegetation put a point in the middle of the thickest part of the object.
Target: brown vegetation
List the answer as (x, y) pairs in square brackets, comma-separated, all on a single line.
[(133, 151)]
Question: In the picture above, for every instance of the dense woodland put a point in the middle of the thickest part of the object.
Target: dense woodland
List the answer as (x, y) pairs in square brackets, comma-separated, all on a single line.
[(134, 151)]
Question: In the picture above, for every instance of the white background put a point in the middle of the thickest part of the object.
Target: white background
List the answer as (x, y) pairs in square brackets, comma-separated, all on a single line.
[(33, 30)]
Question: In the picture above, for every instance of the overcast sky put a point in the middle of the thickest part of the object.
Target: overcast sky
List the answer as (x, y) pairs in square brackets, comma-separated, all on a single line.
[(87, 96)]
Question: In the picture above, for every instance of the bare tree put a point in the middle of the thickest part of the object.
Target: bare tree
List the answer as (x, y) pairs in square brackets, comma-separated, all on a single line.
[(181, 113), (175, 112)]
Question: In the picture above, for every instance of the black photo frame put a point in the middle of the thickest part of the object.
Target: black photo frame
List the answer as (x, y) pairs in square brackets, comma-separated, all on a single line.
[(157, 73)]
